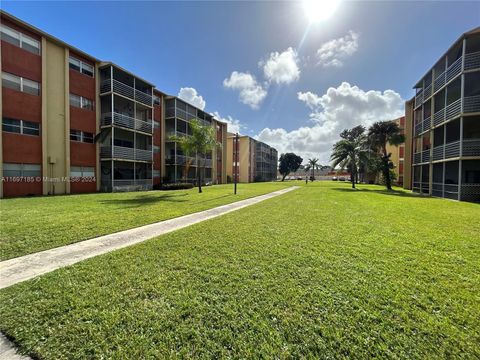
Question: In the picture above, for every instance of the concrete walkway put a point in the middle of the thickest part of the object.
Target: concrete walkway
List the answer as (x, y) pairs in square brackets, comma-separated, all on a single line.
[(29, 266), (8, 352)]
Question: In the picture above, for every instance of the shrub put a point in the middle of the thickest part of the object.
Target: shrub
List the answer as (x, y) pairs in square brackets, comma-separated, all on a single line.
[(176, 186)]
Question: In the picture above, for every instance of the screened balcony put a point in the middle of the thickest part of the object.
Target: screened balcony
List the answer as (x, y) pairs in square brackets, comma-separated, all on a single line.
[(127, 145), (115, 80), (126, 114), (472, 52)]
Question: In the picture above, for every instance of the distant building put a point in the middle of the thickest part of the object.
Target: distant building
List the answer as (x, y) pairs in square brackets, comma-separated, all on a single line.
[(398, 154), (257, 161)]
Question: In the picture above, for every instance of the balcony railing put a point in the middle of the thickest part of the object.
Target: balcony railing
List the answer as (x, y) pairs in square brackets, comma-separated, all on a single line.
[(454, 69), (438, 153), (125, 90), (439, 117), (126, 122), (425, 156), (417, 158), (453, 110), (427, 92), (439, 82), (471, 147), (136, 184), (472, 61), (471, 104), (122, 152), (452, 149), (419, 99)]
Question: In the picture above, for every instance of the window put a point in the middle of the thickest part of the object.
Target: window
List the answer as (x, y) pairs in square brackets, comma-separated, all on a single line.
[(23, 41), (81, 67), (156, 149), (20, 84), (156, 100), (21, 170), (156, 173), (77, 135), (82, 171), (81, 102), (156, 124), (20, 127)]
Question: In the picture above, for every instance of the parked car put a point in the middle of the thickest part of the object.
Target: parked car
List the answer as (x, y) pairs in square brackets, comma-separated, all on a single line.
[(334, 178), (341, 178)]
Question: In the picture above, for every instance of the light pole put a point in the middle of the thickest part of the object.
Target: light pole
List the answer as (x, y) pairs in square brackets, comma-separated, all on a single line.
[(235, 161)]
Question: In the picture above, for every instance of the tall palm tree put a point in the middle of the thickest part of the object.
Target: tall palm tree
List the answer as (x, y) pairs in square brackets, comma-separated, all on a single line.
[(379, 135), (313, 164), (200, 141), (348, 154)]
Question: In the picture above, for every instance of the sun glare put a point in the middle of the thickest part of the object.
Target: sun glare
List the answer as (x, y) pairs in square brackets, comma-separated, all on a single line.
[(319, 10)]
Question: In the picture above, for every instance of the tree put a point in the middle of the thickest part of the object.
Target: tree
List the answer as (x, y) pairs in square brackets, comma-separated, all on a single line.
[(356, 134), (288, 163), (313, 164), (379, 135), (201, 140), (348, 154)]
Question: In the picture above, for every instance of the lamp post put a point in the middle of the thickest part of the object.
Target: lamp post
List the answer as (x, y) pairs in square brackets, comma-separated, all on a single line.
[(235, 161)]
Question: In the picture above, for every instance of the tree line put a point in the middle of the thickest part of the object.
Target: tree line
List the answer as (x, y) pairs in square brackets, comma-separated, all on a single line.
[(359, 152)]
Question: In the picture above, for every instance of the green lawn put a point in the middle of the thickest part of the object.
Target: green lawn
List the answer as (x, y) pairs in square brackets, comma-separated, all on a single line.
[(320, 272), (29, 225)]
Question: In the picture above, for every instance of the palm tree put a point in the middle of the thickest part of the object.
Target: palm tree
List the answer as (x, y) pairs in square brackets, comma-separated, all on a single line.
[(200, 141), (313, 164), (379, 135), (349, 154)]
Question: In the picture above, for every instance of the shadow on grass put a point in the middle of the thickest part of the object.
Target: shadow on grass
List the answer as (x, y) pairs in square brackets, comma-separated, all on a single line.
[(211, 199), (381, 191), (145, 200)]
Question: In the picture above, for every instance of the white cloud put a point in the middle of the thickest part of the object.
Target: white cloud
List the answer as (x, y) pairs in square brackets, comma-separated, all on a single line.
[(333, 52), (233, 125), (191, 96), (339, 108), (251, 92), (281, 67)]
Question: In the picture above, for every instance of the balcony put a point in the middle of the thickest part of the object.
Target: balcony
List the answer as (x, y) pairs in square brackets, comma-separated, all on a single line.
[(423, 126), (132, 185), (471, 104), (427, 93), (454, 69), (125, 90), (439, 82), (452, 149), (125, 153), (471, 147), (453, 110), (419, 99), (126, 122), (472, 61), (439, 117)]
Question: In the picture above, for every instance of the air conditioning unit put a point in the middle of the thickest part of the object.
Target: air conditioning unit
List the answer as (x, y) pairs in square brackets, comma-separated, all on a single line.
[(52, 160)]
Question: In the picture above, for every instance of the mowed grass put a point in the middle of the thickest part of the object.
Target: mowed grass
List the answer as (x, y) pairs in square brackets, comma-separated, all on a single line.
[(29, 225), (321, 272)]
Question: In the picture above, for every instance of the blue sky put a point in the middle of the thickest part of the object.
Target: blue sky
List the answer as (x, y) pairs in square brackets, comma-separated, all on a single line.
[(356, 67)]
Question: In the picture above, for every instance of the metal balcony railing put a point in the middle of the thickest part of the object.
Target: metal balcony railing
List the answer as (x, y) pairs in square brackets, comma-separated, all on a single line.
[(472, 61), (122, 152), (125, 90), (452, 149), (438, 152), (427, 92), (471, 104), (439, 82), (439, 117), (419, 99), (427, 124), (454, 69), (453, 110), (425, 156), (417, 158), (471, 147), (126, 122)]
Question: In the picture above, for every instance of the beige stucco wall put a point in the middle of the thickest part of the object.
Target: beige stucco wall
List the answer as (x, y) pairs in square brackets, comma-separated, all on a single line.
[(244, 157), (55, 117), (407, 164)]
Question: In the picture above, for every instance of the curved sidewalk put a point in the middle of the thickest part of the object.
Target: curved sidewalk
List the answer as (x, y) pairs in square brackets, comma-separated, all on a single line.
[(29, 266)]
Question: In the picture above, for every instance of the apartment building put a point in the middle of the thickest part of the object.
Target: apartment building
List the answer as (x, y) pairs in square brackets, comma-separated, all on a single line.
[(180, 167), (72, 123), (257, 161), (442, 126)]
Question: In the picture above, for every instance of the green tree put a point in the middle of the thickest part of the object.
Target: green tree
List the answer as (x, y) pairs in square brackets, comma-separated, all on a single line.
[(200, 141), (379, 135), (349, 154), (288, 163), (313, 164)]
